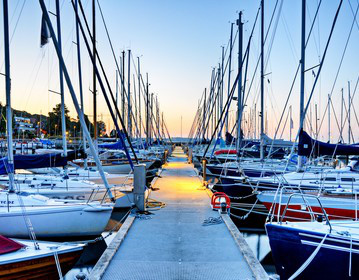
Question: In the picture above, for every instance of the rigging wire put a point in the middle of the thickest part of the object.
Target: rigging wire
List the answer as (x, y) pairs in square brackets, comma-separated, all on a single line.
[(292, 86), (340, 64)]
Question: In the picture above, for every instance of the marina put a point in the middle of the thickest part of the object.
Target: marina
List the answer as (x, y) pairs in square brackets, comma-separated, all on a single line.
[(179, 140)]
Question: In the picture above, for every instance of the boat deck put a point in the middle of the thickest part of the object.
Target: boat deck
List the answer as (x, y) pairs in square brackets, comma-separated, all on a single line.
[(173, 243)]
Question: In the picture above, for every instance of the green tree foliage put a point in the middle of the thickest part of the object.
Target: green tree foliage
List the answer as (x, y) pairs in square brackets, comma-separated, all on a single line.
[(52, 123), (55, 125)]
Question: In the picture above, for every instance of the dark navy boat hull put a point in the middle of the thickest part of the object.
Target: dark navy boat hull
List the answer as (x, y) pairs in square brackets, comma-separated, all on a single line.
[(290, 249)]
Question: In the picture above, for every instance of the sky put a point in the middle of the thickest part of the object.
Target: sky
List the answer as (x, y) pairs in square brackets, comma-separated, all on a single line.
[(179, 43)]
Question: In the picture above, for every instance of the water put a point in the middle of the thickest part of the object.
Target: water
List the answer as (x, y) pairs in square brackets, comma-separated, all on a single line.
[(253, 231), (259, 244)]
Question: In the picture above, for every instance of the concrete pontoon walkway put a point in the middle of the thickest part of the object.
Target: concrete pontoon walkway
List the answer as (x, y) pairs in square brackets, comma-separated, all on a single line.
[(173, 244)]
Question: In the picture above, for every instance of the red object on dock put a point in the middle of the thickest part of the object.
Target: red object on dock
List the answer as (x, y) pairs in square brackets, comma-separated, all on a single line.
[(216, 200)]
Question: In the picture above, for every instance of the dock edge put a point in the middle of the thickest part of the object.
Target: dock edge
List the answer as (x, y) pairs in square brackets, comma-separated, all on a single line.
[(100, 268), (257, 269)]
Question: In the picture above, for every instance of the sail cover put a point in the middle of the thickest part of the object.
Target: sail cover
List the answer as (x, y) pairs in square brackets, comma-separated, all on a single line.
[(308, 146), (35, 161), (112, 146), (46, 142), (8, 245)]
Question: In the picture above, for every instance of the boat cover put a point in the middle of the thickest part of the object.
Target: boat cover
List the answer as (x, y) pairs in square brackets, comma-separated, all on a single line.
[(112, 146), (36, 161), (46, 142), (230, 139), (308, 146), (7, 245)]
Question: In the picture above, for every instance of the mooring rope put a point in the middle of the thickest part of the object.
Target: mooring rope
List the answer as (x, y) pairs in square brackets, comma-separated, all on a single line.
[(212, 221), (309, 260), (58, 266)]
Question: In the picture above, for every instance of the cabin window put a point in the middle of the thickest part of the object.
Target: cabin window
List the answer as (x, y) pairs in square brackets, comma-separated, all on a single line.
[(47, 184), (330, 179), (348, 179)]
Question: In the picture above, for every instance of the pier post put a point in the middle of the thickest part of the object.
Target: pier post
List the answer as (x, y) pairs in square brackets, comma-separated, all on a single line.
[(190, 155), (165, 156), (204, 169), (139, 185)]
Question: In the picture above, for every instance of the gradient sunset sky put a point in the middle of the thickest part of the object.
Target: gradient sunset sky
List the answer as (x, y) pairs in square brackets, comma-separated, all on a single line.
[(179, 41)]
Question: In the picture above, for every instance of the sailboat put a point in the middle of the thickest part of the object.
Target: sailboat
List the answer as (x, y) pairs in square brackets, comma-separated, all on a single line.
[(65, 183), (27, 259), (317, 249), (22, 215), (51, 218), (323, 247)]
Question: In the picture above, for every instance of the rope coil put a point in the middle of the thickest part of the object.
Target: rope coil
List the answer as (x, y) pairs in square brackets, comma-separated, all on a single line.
[(212, 221)]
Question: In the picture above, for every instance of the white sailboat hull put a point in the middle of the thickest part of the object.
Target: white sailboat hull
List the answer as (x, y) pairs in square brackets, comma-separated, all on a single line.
[(122, 168), (71, 221), (51, 218)]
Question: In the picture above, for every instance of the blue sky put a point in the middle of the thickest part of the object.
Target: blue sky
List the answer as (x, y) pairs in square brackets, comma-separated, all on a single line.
[(179, 42)]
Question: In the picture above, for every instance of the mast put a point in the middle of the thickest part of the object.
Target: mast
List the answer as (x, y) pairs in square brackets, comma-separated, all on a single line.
[(116, 73), (80, 78), (329, 104), (229, 72), (74, 98), (290, 123), (10, 152), (135, 119), (255, 120), (262, 83), (302, 79), (40, 124), (139, 98), (204, 113), (151, 120), (123, 87), (316, 121), (349, 105), (162, 124), (222, 79), (341, 117), (210, 102), (129, 120), (63, 119), (219, 108), (147, 113), (158, 116), (239, 86), (94, 71)]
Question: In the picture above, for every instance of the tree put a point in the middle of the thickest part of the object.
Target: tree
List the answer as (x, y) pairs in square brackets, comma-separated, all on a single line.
[(2, 119), (101, 126), (55, 125)]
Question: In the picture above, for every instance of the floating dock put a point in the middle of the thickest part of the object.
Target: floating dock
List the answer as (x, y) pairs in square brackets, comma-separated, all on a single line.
[(173, 243)]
